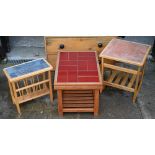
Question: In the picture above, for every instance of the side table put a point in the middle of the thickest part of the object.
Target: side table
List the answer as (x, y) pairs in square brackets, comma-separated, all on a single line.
[(78, 82), (128, 70), (29, 80)]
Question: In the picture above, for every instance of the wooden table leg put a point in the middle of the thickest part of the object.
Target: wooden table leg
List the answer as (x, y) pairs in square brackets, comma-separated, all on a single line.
[(96, 102), (60, 106), (139, 83), (18, 108), (102, 74), (136, 86), (50, 86), (16, 100)]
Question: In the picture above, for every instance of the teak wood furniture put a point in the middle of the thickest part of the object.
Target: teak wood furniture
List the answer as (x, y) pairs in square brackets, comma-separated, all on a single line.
[(79, 43), (120, 75), (78, 82), (29, 80)]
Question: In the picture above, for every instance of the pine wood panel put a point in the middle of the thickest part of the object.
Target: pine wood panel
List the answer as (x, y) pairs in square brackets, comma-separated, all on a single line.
[(73, 44)]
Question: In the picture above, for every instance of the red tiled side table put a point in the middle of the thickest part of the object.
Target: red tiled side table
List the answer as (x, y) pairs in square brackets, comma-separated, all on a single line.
[(128, 71), (78, 82)]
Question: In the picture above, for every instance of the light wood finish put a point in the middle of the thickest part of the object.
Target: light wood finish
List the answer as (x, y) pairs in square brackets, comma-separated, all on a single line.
[(82, 43), (60, 106), (30, 86), (78, 96), (123, 77)]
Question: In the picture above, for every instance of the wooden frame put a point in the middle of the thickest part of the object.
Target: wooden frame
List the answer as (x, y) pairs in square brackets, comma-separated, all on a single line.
[(123, 77), (78, 96), (30, 86)]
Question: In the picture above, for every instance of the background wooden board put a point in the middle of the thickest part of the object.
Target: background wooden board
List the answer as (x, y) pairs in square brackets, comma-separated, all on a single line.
[(73, 44)]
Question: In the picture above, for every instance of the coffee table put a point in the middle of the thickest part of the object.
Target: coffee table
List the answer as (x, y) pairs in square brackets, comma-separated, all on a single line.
[(78, 82), (128, 70)]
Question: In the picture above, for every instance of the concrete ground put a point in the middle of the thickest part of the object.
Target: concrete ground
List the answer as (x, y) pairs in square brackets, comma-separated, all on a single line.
[(114, 103)]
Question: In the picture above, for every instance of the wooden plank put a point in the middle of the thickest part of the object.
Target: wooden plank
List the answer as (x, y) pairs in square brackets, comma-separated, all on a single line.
[(78, 95), (77, 91), (78, 105), (96, 102), (118, 86), (119, 77), (74, 44), (50, 86), (78, 110), (120, 68), (60, 106), (37, 94), (72, 98), (111, 78), (86, 101), (124, 80), (32, 85), (132, 81)]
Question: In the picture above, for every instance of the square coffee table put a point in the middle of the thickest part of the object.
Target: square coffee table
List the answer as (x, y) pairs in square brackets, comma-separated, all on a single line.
[(128, 55), (78, 82)]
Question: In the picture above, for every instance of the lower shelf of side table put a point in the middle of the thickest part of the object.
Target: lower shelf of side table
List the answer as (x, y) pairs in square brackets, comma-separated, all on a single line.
[(120, 80), (78, 101), (33, 95)]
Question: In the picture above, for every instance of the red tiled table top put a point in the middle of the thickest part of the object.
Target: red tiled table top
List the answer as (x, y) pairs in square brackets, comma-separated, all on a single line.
[(123, 50), (77, 67)]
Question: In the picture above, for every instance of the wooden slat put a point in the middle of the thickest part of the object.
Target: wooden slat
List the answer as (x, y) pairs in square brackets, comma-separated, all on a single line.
[(111, 78), (25, 98), (78, 105), (80, 95), (125, 80), (77, 91), (20, 92), (86, 101), (119, 77), (120, 68), (78, 109), (118, 86), (132, 81), (32, 85), (78, 98)]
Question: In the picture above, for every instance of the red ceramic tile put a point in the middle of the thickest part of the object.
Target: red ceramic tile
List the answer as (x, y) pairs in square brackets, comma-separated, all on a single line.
[(92, 67), (85, 58), (72, 76), (83, 62), (63, 56), (87, 73), (62, 73), (62, 76), (82, 67), (86, 54), (73, 55), (68, 63), (82, 70), (67, 68), (88, 79)]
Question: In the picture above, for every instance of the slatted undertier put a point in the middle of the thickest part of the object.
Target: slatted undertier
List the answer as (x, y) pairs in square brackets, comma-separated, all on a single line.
[(31, 87), (78, 101), (120, 79)]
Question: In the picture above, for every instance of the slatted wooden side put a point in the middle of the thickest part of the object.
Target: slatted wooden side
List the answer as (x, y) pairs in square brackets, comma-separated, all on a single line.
[(32, 87), (78, 101), (120, 80)]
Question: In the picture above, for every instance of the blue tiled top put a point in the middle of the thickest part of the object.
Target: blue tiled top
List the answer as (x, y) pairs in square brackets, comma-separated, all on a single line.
[(27, 68)]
